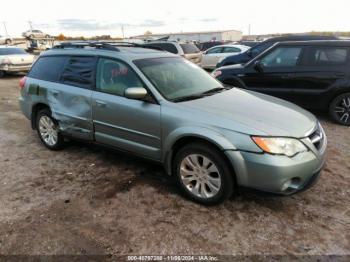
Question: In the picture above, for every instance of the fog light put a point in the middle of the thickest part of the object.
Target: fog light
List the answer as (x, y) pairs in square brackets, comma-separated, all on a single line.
[(286, 185)]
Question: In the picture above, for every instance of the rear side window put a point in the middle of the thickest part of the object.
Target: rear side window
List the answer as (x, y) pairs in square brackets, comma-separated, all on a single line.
[(79, 71), (231, 50), (189, 48), (215, 50), (48, 68), (323, 56), (12, 51)]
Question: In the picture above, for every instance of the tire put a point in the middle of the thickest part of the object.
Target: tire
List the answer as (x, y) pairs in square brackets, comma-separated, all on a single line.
[(2, 74), (339, 109), (46, 124), (8, 41), (195, 165)]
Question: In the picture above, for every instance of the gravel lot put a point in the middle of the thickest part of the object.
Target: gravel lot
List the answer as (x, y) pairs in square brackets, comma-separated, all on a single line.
[(90, 200)]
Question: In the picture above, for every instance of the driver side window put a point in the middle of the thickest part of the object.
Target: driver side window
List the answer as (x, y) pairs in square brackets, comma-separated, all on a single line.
[(282, 57), (114, 77)]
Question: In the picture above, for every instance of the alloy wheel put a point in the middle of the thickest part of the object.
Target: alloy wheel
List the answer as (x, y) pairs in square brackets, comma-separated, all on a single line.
[(342, 110), (48, 130), (200, 176)]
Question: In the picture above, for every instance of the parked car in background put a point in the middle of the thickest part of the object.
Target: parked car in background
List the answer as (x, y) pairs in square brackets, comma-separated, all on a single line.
[(14, 59), (5, 40), (164, 108), (262, 46), (206, 45), (35, 34), (214, 55), (312, 74), (188, 50), (249, 43)]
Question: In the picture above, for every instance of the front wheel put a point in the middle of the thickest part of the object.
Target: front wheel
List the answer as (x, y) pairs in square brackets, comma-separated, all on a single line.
[(48, 131), (8, 41), (339, 109), (203, 174)]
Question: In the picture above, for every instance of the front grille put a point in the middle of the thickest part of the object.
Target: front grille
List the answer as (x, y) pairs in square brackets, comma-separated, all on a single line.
[(317, 137)]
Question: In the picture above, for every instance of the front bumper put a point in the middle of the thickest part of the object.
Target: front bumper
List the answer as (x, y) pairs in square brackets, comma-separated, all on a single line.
[(15, 68), (272, 173)]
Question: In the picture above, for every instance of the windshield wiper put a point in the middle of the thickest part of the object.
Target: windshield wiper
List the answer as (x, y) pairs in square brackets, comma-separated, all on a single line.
[(188, 98), (213, 91)]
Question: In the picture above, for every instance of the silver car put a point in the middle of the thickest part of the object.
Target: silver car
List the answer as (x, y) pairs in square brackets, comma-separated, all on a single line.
[(33, 33), (160, 106), (14, 60)]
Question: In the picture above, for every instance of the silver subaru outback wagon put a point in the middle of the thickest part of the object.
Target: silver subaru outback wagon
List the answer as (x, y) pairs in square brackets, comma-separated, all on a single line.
[(162, 107)]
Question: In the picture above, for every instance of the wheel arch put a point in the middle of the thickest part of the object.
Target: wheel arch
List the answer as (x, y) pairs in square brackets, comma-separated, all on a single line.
[(177, 140), (35, 110), (234, 81)]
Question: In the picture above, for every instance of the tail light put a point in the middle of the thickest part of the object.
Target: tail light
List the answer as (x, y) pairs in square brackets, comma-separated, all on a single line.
[(22, 82)]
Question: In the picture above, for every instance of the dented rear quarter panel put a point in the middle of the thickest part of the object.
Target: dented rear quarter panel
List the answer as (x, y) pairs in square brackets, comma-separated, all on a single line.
[(70, 105)]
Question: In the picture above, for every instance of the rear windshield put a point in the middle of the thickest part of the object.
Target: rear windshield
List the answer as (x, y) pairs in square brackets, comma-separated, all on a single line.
[(12, 51), (169, 47), (189, 48)]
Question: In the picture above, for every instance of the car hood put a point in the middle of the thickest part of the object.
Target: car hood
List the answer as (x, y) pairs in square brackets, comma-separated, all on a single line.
[(252, 113), (240, 58)]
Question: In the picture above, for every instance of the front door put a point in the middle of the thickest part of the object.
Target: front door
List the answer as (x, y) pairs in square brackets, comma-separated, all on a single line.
[(277, 73), (128, 124)]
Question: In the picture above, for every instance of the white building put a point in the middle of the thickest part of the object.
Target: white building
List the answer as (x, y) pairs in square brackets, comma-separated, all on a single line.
[(227, 35)]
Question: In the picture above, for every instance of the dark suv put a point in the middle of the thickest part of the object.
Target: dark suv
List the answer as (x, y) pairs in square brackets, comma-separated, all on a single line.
[(263, 46), (313, 74)]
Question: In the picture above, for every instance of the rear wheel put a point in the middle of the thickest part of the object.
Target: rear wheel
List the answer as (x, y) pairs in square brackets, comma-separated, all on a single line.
[(339, 109), (2, 74), (203, 174), (8, 41), (48, 131)]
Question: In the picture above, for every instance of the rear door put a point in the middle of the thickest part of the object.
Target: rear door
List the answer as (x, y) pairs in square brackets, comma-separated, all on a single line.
[(131, 125), (323, 70), (211, 56), (278, 72), (65, 84)]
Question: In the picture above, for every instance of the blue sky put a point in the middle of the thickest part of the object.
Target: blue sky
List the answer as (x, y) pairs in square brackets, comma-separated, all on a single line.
[(88, 18)]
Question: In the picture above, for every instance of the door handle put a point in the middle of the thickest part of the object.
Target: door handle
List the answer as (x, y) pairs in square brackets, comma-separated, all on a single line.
[(100, 103), (339, 75)]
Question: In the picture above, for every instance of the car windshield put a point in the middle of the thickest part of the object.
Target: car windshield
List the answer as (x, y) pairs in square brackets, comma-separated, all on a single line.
[(190, 48), (177, 78), (12, 51), (258, 49)]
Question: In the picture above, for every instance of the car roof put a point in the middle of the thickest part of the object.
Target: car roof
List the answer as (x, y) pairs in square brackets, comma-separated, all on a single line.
[(299, 38), (230, 45), (125, 53), (318, 42)]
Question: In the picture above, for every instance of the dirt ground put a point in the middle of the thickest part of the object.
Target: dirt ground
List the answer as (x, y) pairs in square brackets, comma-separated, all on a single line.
[(90, 200)]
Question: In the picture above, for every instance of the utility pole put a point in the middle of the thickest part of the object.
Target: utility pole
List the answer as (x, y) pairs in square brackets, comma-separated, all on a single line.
[(123, 31), (4, 23), (30, 25), (249, 28)]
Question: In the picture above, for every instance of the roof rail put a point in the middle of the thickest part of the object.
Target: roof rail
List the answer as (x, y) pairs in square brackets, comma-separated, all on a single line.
[(130, 44), (83, 44)]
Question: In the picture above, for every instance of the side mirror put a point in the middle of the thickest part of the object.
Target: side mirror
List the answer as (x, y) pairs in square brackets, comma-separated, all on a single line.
[(135, 93), (258, 66)]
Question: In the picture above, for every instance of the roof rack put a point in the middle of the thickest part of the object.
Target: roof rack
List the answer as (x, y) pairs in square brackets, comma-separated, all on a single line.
[(130, 44), (99, 45), (113, 46)]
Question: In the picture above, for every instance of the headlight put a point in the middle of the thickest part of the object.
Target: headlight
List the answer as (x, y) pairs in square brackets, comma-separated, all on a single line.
[(280, 145), (216, 73)]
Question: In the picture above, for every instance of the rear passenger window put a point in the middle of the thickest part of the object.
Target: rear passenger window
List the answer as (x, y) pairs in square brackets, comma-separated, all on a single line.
[(114, 77), (320, 56), (48, 68), (79, 71)]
